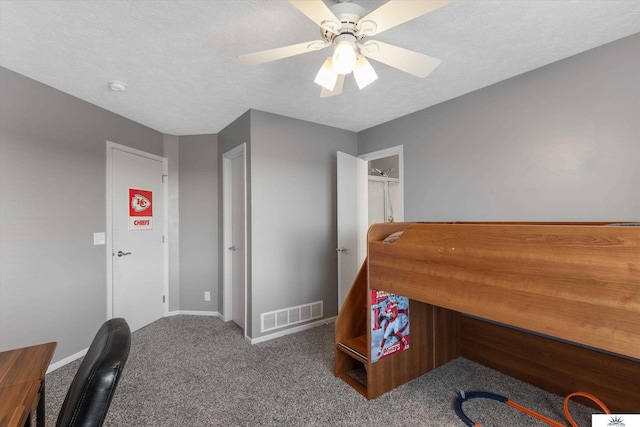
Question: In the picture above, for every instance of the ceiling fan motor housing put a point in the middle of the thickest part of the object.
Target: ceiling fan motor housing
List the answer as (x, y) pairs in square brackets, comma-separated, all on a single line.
[(349, 14)]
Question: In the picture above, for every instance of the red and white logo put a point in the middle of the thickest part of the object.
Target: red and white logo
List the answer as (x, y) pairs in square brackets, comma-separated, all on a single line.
[(140, 203), (140, 209)]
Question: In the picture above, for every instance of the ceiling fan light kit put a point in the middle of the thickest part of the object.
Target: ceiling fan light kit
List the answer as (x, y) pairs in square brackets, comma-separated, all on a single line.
[(327, 77), (364, 73), (344, 27), (344, 56)]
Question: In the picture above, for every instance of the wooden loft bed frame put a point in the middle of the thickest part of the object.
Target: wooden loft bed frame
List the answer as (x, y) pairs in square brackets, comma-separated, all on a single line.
[(554, 304)]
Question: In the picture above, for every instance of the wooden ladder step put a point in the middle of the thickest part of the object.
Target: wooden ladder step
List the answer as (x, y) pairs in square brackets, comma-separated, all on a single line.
[(355, 347)]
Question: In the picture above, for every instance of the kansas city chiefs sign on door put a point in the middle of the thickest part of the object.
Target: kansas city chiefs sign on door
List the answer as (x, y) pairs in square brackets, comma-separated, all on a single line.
[(140, 209)]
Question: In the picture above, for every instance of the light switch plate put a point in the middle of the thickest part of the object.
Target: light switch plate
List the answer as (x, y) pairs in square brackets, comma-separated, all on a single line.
[(99, 238)]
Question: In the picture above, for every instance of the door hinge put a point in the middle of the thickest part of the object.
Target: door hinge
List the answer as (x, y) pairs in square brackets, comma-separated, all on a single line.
[(163, 298), (163, 176), (163, 238)]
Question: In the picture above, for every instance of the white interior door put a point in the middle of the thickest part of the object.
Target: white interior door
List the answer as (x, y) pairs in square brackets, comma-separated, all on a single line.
[(234, 205), (138, 259), (238, 239), (352, 220)]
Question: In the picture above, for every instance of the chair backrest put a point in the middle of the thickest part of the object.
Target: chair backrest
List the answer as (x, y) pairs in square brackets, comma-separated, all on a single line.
[(92, 388)]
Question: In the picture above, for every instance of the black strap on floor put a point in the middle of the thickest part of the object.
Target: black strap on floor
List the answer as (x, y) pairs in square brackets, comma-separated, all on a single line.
[(463, 396)]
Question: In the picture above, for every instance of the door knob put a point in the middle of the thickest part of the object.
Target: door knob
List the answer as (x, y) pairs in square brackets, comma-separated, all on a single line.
[(232, 248), (343, 250), (120, 253)]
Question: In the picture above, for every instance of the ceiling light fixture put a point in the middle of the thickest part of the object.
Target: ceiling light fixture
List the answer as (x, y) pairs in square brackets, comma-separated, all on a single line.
[(327, 76), (364, 73), (344, 56), (346, 27)]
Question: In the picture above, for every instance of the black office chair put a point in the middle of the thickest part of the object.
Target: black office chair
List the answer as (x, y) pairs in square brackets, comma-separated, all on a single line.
[(92, 388)]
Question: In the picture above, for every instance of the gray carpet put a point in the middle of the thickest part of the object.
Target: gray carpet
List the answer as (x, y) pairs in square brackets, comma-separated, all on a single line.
[(199, 371)]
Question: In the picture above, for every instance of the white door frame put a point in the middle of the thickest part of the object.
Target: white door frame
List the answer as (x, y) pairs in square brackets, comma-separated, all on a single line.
[(388, 152), (227, 301), (109, 232)]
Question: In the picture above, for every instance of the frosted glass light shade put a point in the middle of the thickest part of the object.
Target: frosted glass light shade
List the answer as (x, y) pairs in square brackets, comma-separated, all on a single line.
[(364, 73), (327, 76), (344, 57)]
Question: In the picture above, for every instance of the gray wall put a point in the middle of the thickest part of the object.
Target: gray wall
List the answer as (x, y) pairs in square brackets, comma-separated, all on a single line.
[(293, 213), (560, 143), (291, 185), (52, 200), (198, 222)]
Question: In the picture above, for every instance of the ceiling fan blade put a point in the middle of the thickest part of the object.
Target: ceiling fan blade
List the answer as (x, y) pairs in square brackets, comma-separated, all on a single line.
[(396, 12), (337, 90), (403, 59), (319, 13), (281, 52)]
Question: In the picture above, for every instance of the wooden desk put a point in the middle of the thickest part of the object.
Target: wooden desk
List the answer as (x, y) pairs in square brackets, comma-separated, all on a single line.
[(22, 390)]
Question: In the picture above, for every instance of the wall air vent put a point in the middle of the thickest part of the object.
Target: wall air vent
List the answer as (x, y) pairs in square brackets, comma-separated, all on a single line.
[(291, 316)]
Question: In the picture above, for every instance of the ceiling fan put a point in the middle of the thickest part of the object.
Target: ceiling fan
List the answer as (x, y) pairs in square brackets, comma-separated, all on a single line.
[(346, 27)]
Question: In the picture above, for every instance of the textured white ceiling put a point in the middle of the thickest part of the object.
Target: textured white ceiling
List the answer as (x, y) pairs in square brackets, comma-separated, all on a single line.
[(177, 57)]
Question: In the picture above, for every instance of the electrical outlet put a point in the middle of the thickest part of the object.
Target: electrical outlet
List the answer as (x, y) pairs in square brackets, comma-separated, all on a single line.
[(207, 296)]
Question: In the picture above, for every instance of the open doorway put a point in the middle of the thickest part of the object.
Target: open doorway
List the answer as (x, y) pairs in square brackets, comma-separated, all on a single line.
[(385, 196), (383, 189)]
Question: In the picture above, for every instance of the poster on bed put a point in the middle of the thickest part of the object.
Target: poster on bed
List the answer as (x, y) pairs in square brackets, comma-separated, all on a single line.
[(389, 324)]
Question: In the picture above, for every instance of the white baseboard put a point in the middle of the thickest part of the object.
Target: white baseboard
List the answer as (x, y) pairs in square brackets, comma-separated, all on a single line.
[(67, 360), (194, 313), (292, 330)]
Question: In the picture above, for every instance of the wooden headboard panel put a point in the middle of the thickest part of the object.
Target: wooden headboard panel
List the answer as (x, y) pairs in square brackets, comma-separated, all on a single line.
[(577, 282)]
